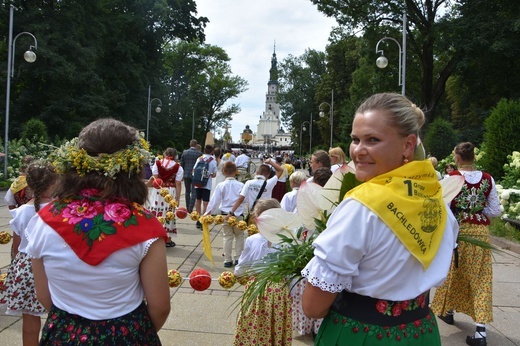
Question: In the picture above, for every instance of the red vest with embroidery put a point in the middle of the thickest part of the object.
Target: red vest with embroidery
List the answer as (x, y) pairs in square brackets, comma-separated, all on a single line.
[(167, 174), (95, 228), (469, 204)]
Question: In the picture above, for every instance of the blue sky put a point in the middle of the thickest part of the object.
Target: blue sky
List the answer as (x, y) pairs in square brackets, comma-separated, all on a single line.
[(247, 31)]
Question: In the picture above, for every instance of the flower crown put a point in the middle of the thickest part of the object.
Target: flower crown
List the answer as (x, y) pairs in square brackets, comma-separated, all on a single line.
[(130, 159)]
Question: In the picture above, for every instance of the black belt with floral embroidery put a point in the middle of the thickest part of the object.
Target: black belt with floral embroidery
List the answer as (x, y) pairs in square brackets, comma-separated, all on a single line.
[(379, 311)]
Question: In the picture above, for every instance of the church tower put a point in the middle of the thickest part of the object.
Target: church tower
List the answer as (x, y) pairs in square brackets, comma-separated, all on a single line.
[(269, 123)]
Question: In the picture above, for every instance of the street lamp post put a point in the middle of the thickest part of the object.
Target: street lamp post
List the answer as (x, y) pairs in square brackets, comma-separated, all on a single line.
[(382, 61), (302, 128), (149, 112), (331, 119), (193, 124), (310, 136), (30, 57)]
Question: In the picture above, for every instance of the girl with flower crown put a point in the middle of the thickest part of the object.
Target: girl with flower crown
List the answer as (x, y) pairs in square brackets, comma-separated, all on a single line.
[(19, 294), (167, 174), (98, 256), (388, 242)]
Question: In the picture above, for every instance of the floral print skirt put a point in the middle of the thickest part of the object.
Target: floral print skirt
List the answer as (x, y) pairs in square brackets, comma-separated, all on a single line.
[(134, 328), (339, 330), (19, 294), (268, 321), (468, 287), (162, 209)]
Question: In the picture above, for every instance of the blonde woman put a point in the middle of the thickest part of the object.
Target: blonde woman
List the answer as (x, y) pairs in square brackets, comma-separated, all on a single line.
[(338, 158), (370, 280)]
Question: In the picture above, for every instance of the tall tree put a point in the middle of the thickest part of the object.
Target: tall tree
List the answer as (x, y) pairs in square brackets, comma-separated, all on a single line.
[(428, 22), (343, 59), (490, 69), (299, 80), (95, 59), (201, 86)]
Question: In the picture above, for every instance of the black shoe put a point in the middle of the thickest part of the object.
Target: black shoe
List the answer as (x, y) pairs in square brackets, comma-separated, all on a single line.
[(448, 318), (473, 341), (236, 262), (199, 225), (228, 264)]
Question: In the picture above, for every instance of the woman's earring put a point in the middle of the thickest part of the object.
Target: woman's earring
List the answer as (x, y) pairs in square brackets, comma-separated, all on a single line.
[(405, 161)]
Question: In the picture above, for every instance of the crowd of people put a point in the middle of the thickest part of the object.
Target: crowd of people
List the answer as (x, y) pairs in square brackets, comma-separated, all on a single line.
[(88, 211)]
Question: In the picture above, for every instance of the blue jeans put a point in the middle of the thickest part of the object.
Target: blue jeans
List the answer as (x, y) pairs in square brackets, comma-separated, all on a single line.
[(190, 197)]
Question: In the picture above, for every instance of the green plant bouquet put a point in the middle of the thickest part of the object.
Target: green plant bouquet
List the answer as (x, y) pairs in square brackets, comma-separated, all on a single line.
[(293, 234)]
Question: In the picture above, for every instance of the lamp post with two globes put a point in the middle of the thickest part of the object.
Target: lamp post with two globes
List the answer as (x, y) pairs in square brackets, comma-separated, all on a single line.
[(30, 57)]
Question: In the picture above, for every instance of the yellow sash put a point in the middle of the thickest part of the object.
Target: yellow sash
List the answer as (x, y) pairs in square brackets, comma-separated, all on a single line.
[(409, 201), (18, 184)]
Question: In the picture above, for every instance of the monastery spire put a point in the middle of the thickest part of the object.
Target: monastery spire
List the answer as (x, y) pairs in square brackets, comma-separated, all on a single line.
[(273, 71)]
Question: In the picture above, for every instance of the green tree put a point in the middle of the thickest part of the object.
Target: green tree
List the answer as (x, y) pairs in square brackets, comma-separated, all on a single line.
[(299, 78), (201, 86), (489, 70), (342, 61), (440, 138), (95, 59), (502, 136), (429, 29)]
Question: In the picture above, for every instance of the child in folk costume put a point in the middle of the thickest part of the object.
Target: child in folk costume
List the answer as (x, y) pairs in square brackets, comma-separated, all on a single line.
[(18, 193), (98, 255), (270, 314), (19, 295), (166, 173)]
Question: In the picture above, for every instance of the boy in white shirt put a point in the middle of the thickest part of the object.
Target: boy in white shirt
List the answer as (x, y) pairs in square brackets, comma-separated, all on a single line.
[(225, 195), (252, 188)]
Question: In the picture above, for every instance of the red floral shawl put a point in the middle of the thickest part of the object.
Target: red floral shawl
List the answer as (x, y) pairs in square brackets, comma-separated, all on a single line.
[(95, 228)]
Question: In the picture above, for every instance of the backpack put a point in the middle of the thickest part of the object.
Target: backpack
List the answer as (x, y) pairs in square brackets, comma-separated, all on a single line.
[(201, 172)]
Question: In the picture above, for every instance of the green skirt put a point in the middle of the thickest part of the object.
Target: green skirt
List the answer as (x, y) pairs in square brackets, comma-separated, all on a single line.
[(339, 330)]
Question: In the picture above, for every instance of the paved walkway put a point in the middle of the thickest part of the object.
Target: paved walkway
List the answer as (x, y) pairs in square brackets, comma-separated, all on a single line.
[(208, 317)]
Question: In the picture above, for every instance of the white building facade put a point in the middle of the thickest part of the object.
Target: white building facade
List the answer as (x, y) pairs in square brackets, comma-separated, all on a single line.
[(269, 132)]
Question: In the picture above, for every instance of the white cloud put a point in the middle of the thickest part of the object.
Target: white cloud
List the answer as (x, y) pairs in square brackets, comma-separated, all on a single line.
[(247, 31)]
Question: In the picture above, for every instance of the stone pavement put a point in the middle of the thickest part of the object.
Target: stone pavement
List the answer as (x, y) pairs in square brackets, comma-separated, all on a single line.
[(208, 317)]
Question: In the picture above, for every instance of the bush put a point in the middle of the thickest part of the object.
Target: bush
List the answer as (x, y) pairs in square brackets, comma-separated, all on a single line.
[(19, 148), (502, 136), (511, 178), (510, 202), (35, 129), (440, 138)]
